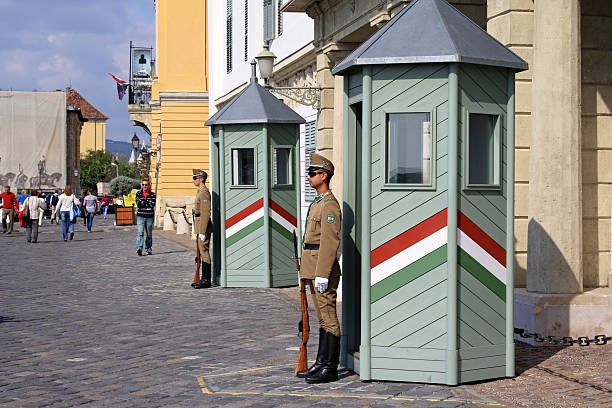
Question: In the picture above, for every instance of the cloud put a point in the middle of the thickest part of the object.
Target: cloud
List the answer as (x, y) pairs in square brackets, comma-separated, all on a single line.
[(48, 45)]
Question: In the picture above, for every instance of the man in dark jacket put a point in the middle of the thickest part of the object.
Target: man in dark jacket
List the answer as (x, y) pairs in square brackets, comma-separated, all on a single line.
[(145, 201)]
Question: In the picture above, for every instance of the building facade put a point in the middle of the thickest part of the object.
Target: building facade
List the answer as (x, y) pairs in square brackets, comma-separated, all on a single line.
[(93, 134), (178, 108)]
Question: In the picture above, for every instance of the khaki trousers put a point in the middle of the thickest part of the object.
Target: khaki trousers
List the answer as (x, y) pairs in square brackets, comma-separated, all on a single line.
[(325, 305), (204, 249), (8, 212)]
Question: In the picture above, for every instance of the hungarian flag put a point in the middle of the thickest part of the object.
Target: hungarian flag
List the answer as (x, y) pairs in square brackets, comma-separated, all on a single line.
[(121, 86)]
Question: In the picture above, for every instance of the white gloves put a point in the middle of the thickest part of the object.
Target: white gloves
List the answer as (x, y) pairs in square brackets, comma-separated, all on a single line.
[(321, 284), (202, 237)]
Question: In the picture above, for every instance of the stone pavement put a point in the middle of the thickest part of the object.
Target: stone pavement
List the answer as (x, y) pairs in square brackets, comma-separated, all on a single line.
[(88, 322)]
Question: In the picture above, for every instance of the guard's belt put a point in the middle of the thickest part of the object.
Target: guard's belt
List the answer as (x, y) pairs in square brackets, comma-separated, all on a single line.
[(312, 246), (196, 214)]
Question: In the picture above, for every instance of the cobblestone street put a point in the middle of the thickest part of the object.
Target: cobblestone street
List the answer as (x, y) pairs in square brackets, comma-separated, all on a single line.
[(88, 322)]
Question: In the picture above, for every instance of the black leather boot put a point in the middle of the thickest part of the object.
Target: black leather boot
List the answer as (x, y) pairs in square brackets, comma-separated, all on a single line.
[(320, 357), (204, 281), (329, 371)]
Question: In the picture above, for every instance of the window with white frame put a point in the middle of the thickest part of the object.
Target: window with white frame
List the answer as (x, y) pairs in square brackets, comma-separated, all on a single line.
[(243, 166), (408, 145), (484, 151)]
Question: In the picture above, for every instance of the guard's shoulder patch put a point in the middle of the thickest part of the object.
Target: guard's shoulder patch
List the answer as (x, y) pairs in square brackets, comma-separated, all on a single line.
[(330, 199), (331, 218), (205, 200)]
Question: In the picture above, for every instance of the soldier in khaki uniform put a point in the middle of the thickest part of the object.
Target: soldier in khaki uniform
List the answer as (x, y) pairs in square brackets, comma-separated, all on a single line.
[(203, 226), (321, 270)]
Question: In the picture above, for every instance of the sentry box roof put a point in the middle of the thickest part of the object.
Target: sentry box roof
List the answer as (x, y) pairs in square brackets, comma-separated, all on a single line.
[(254, 104), (431, 31)]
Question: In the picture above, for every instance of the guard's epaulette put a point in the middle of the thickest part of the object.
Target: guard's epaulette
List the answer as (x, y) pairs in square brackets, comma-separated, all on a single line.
[(330, 199)]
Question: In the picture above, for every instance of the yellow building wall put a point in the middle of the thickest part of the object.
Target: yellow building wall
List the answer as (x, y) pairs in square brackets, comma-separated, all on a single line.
[(181, 45), (181, 86), (93, 136)]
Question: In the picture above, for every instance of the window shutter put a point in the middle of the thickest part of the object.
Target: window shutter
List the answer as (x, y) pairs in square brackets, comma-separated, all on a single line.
[(279, 17), (310, 146), (269, 16), (246, 30), (228, 36)]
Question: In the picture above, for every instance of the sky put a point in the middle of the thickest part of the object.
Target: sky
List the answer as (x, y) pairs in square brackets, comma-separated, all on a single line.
[(51, 44)]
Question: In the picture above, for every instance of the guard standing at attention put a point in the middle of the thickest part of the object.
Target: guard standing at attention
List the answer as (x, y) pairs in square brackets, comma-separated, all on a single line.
[(203, 227), (321, 270)]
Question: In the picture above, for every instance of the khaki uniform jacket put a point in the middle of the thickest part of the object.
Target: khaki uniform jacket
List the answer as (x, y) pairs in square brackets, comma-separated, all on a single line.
[(323, 224), (202, 213)]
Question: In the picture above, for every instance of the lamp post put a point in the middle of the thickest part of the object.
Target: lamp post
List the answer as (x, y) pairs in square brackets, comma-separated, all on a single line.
[(40, 171), (77, 184), (305, 95), (117, 166)]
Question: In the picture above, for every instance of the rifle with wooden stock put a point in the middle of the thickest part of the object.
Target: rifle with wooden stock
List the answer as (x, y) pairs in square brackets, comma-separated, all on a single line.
[(198, 260), (304, 325)]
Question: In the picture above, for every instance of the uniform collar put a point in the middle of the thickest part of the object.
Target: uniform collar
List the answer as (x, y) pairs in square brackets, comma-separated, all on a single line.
[(320, 196), (201, 188)]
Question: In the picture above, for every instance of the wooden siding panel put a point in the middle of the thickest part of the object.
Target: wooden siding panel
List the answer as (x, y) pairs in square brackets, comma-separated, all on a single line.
[(409, 376), (492, 227), (429, 313)]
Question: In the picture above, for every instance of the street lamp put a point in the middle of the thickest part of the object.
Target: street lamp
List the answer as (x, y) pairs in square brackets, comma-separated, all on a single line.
[(115, 164), (135, 142), (305, 95)]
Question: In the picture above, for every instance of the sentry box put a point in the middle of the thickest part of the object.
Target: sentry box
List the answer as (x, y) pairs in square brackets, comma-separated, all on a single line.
[(428, 232), (256, 190)]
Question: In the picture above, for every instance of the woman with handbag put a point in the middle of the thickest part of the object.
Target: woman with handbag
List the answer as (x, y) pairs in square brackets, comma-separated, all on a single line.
[(66, 206), (32, 208)]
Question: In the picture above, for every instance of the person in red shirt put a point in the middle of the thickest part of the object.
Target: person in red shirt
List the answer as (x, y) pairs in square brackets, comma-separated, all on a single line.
[(105, 204), (9, 206)]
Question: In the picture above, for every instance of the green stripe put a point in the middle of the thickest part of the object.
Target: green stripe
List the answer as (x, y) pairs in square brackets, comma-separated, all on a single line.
[(408, 274), (482, 274), (281, 230), (244, 232)]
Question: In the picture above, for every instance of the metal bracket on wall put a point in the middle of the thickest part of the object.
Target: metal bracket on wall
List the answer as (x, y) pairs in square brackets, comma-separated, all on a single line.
[(304, 95)]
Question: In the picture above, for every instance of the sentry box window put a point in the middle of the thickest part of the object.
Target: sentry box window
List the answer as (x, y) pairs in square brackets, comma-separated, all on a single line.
[(243, 167), (282, 166), (484, 151), (409, 146)]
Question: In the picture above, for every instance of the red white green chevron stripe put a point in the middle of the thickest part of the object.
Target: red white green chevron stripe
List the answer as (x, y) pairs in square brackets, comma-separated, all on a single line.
[(251, 218), (282, 221), (423, 248)]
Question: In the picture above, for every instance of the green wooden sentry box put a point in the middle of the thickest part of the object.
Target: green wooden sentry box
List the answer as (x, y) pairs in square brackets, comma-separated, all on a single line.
[(428, 232), (256, 193)]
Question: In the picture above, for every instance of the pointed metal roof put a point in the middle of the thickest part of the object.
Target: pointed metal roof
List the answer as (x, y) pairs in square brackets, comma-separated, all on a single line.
[(431, 31), (254, 104)]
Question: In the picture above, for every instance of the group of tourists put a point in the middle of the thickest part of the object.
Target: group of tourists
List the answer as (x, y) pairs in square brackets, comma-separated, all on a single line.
[(29, 206)]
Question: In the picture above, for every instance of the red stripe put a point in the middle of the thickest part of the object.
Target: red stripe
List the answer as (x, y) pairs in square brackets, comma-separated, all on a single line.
[(244, 213), (281, 211), (481, 238), (408, 238)]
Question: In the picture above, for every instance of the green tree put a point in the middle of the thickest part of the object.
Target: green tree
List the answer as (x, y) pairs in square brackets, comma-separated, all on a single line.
[(125, 168), (95, 167), (122, 185)]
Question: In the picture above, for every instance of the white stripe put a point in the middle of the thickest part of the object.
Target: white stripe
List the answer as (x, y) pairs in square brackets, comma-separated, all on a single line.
[(281, 220), (409, 255), (244, 223), (481, 256)]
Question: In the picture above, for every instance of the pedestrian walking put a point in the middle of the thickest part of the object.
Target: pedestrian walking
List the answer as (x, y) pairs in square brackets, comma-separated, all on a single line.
[(203, 227), (9, 206), (145, 201), (41, 213), (321, 270), (54, 200), (23, 194), (65, 206), (33, 207), (105, 204), (90, 202)]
